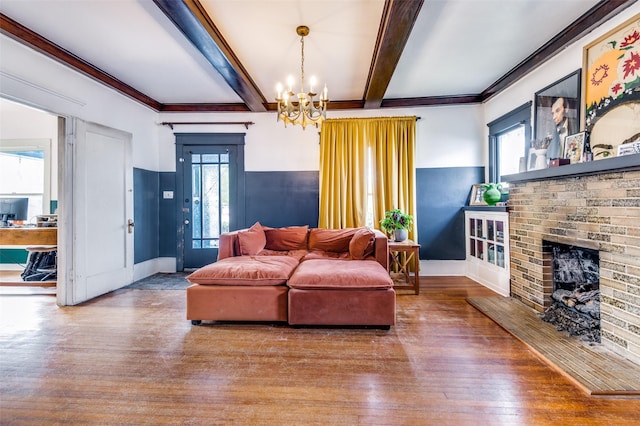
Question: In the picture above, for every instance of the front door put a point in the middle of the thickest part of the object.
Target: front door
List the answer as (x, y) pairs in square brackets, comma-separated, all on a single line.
[(209, 201)]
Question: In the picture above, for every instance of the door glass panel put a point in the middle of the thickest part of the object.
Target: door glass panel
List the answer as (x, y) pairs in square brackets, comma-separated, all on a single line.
[(472, 227), (480, 250), (210, 199), (479, 232), (500, 231), (472, 246), (500, 256), (491, 253), (196, 214), (490, 230)]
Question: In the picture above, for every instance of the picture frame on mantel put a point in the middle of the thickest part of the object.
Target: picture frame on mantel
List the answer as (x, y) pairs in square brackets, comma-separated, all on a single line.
[(557, 112), (611, 88), (574, 147), (476, 198)]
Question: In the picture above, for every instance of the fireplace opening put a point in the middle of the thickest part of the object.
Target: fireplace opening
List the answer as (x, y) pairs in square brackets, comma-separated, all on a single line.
[(575, 293)]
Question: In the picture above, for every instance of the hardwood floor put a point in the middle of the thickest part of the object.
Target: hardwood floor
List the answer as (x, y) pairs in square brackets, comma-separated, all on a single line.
[(130, 357)]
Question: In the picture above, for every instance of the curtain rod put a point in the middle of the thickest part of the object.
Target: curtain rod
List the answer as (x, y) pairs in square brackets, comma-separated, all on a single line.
[(171, 124)]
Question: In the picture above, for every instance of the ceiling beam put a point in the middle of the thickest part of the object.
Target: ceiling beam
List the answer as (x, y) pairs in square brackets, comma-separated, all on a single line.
[(24, 35), (398, 18), (193, 21), (598, 14)]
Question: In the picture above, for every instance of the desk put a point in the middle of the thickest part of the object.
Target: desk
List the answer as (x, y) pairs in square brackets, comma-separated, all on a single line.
[(16, 237), (401, 255)]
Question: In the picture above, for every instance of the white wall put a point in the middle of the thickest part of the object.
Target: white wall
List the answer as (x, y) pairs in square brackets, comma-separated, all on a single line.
[(31, 78), (449, 136)]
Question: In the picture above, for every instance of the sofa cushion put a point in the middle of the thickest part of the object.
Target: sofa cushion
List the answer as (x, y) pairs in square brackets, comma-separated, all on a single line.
[(321, 254), (362, 244), (338, 274), (296, 254), (335, 240), (252, 241), (289, 238), (246, 270)]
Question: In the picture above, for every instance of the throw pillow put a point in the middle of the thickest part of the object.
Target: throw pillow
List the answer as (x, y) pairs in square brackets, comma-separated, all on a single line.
[(289, 238), (362, 243), (335, 240), (252, 241)]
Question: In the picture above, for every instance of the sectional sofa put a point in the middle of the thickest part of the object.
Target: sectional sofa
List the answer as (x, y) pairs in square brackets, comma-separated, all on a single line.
[(298, 275)]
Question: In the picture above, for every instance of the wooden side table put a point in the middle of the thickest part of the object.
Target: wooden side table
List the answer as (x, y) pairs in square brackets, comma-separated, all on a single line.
[(401, 255)]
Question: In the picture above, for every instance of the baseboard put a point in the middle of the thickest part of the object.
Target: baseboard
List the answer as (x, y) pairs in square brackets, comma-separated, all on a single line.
[(439, 268), (153, 266)]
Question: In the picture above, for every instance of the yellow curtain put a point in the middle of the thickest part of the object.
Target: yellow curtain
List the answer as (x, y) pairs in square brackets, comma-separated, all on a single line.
[(344, 144), (343, 188), (394, 158)]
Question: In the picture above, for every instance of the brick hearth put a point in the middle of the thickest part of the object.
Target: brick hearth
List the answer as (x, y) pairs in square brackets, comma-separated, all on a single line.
[(601, 212)]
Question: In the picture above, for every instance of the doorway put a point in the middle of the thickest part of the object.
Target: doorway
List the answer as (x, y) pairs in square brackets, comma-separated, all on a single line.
[(210, 194)]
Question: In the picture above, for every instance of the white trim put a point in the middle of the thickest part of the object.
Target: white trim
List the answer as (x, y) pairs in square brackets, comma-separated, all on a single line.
[(153, 266), (442, 268)]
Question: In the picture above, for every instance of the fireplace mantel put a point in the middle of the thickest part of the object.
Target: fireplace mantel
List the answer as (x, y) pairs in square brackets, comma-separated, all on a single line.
[(607, 165)]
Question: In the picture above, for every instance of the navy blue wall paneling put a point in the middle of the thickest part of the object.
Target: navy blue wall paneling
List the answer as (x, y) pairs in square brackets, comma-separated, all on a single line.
[(279, 199), (167, 219), (441, 193), (145, 214)]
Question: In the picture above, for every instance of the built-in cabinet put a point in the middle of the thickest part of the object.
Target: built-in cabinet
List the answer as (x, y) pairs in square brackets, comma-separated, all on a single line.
[(487, 248)]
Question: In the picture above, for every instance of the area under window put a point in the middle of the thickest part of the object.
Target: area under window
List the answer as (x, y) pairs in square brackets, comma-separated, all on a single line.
[(508, 147)]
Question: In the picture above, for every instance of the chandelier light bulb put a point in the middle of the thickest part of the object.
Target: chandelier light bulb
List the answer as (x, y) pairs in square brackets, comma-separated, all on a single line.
[(312, 82), (290, 83)]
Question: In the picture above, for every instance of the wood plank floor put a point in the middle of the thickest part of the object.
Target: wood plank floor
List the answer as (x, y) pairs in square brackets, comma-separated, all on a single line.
[(130, 357), (592, 368)]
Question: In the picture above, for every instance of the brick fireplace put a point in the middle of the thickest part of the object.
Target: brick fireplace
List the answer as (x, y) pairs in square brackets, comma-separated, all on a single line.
[(596, 211)]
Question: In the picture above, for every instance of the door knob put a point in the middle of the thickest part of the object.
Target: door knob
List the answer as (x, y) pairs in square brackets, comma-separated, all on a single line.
[(186, 221), (130, 225)]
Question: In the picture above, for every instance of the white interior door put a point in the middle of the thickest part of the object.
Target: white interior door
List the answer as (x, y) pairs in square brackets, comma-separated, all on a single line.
[(102, 208)]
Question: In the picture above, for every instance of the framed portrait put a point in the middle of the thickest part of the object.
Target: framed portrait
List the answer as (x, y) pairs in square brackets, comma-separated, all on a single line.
[(557, 112), (574, 147), (611, 85), (477, 193)]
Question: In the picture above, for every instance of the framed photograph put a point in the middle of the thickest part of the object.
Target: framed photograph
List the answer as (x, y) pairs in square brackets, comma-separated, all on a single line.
[(476, 198), (574, 147), (557, 112), (611, 85)]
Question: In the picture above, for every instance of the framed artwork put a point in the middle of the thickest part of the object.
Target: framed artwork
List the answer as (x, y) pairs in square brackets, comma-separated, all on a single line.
[(574, 147), (557, 112), (477, 193), (611, 85)]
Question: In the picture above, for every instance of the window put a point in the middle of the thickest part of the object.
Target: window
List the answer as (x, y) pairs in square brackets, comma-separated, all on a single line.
[(25, 172), (508, 142)]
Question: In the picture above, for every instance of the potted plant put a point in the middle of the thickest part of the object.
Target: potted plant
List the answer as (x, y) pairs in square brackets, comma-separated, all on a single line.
[(397, 223)]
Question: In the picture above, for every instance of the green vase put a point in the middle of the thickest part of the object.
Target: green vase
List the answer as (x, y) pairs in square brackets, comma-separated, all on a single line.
[(492, 194)]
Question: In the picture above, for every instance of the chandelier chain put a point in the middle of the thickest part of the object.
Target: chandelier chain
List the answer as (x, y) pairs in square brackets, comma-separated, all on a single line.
[(302, 65)]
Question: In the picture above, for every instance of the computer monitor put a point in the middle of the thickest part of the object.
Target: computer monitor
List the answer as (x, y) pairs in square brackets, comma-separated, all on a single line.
[(13, 209)]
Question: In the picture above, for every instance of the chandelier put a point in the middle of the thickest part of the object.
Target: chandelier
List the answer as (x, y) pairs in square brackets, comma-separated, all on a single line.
[(304, 111)]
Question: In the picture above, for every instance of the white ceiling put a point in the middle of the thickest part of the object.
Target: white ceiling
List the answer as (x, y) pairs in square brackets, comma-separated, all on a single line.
[(456, 47)]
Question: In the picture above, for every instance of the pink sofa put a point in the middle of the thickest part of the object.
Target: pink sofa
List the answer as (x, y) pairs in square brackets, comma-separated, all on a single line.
[(297, 275)]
